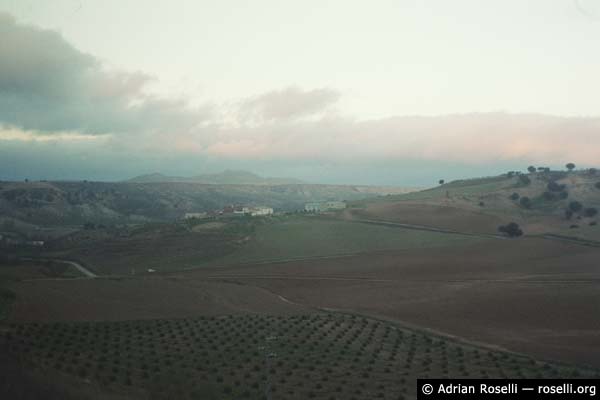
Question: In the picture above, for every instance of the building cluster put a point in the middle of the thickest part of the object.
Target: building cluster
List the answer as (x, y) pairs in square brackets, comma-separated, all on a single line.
[(232, 211), (9, 239), (323, 206)]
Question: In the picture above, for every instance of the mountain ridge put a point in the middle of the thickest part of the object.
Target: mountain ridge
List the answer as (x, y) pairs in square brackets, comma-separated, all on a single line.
[(226, 177)]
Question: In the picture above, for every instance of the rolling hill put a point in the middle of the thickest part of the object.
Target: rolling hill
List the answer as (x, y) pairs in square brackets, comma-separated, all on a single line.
[(28, 205), (538, 201)]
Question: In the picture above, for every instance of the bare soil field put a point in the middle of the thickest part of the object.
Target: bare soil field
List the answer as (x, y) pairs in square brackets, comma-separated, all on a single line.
[(433, 215), (125, 299), (17, 270), (530, 295)]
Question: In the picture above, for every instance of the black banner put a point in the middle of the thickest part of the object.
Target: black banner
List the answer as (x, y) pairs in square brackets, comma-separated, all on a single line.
[(507, 389)]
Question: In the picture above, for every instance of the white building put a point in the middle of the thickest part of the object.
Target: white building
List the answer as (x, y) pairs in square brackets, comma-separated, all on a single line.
[(312, 207), (252, 211), (324, 206), (194, 215), (335, 205), (259, 211)]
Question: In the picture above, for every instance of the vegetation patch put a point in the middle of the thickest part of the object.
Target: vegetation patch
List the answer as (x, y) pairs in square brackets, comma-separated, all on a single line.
[(7, 297), (320, 356)]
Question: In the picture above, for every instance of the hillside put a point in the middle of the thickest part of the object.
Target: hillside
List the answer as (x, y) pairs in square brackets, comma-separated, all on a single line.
[(26, 205), (538, 201), (227, 177)]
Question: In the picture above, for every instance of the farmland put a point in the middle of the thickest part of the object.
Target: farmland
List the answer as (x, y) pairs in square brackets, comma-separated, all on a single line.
[(179, 246), (16, 270), (531, 295), (306, 237), (352, 304), (325, 356)]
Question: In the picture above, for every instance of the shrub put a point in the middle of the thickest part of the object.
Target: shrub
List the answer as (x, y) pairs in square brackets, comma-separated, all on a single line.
[(524, 179), (590, 212), (568, 213), (570, 166), (511, 230), (525, 202), (515, 196), (575, 206), (597, 185), (563, 195), (555, 187)]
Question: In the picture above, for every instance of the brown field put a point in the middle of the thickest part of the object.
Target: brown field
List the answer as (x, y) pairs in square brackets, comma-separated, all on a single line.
[(126, 299), (358, 326), (532, 296), (24, 270), (432, 215)]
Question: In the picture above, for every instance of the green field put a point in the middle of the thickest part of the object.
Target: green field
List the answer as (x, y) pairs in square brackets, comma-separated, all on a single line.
[(304, 237)]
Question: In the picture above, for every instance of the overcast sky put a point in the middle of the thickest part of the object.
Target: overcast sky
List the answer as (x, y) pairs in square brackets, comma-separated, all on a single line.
[(383, 92)]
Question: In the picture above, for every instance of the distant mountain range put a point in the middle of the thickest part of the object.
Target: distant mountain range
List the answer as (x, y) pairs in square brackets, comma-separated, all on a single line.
[(227, 177)]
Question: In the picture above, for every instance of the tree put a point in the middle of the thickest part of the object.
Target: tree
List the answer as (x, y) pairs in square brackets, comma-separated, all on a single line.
[(592, 171), (568, 214), (531, 169), (575, 206), (525, 202), (524, 179), (570, 166), (441, 181), (511, 230), (555, 187)]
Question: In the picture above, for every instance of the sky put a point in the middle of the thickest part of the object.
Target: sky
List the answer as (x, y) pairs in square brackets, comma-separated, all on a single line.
[(401, 92)]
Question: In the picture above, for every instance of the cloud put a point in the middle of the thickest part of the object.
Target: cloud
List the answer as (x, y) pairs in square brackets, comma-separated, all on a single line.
[(48, 85), (287, 104), (53, 96), (477, 138)]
